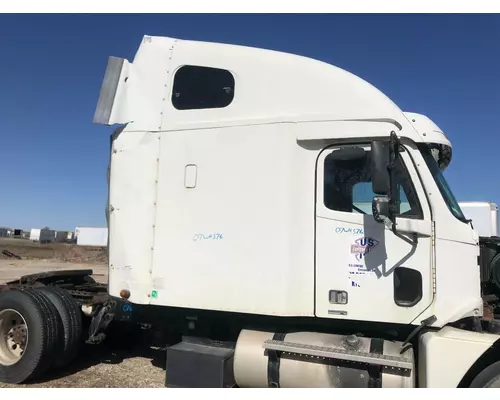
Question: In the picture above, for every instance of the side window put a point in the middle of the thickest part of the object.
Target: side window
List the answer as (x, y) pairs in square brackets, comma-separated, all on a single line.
[(348, 188), (198, 88)]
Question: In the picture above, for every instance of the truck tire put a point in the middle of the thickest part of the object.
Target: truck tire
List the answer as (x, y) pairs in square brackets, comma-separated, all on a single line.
[(30, 335), (488, 377), (71, 317)]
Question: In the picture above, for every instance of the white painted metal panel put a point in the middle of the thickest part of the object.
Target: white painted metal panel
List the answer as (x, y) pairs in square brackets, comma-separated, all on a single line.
[(92, 236), (132, 208), (242, 240), (484, 216), (445, 356)]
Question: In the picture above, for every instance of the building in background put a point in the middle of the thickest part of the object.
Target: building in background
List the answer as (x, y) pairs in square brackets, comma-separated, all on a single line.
[(44, 235), (64, 237), (18, 233), (61, 236), (91, 236)]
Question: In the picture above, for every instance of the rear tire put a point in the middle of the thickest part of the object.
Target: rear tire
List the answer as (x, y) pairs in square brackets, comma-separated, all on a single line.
[(71, 317), (27, 351), (488, 377)]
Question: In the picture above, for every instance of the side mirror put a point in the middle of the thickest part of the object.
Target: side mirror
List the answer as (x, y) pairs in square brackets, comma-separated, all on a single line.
[(381, 179), (381, 208)]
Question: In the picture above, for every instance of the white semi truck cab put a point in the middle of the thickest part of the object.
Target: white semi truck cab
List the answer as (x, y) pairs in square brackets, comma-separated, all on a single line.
[(284, 216)]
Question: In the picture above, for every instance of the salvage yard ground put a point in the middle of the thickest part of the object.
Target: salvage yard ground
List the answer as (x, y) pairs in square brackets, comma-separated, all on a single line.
[(118, 363), (54, 251)]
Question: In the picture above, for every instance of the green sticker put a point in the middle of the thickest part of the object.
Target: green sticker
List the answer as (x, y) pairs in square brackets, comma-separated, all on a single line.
[(154, 294)]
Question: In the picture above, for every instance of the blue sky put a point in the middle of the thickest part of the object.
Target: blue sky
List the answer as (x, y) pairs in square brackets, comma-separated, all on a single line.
[(51, 67)]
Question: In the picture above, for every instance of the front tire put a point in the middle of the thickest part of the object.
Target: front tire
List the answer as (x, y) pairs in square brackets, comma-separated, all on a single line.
[(488, 377), (30, 335)]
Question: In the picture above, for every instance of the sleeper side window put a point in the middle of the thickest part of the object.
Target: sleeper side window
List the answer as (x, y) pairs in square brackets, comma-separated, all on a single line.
[(197, 88), (348, 188)]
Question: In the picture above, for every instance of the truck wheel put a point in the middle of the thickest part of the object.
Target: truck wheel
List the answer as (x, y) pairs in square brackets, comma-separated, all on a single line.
[(29, 335), (71, 317), (488, 377)]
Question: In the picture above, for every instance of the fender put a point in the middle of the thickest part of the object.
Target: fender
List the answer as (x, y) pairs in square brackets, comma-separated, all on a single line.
[(445, 356)]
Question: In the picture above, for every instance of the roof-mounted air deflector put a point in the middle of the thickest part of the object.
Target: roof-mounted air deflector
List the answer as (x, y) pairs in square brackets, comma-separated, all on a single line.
[(110, 109)]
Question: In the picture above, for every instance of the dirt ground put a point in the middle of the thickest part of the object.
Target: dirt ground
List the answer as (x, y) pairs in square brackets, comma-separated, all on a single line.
[(13, 269), (119, 362), (109, 366), (28, 250)]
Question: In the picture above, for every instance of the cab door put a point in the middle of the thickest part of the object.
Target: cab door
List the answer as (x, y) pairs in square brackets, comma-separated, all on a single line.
[(365, 271)]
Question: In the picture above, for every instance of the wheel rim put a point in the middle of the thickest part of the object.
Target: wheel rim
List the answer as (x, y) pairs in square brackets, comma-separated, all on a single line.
[(13, 337)]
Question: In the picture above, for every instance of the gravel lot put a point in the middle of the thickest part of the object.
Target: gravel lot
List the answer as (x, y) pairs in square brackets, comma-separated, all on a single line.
[(106, 366), (113, 364), (13, 269)]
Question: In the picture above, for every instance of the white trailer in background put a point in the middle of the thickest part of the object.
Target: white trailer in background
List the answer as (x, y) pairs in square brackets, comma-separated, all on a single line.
[(35, 235), (42, 235), (91, 236), (484, 216)]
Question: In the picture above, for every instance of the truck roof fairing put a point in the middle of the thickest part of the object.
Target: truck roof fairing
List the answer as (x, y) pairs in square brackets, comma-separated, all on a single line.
[(270, 87)]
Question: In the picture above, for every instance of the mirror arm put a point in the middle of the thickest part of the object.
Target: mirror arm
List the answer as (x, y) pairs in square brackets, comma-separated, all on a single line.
[(411, 241)]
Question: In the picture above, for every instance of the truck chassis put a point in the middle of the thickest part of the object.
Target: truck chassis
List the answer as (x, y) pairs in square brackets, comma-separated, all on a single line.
[(83, 310)]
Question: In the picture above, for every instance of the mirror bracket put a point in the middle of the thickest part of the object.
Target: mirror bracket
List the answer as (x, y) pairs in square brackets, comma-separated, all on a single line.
[(381, 208), (384, 159)]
